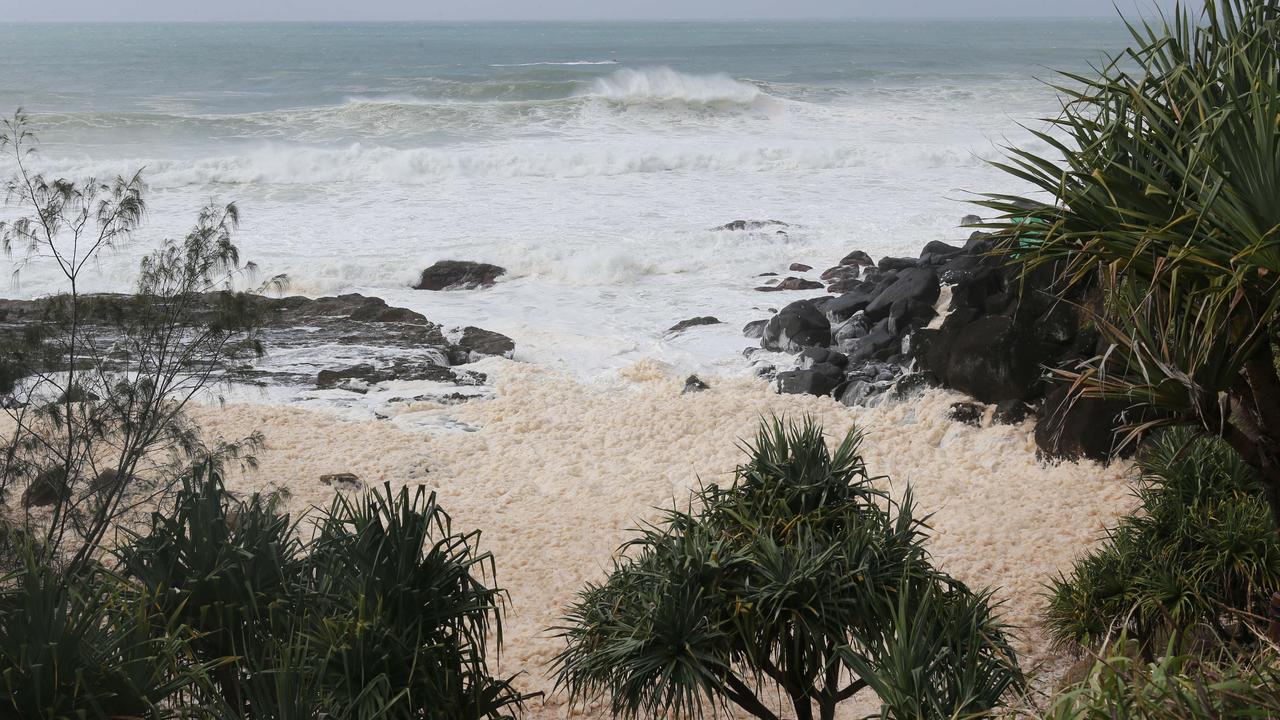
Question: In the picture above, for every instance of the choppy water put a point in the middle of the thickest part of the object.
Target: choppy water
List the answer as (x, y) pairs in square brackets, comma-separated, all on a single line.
[(589, 159)]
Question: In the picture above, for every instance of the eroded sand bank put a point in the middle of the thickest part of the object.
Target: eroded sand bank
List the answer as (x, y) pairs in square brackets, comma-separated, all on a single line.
[(556, 473)]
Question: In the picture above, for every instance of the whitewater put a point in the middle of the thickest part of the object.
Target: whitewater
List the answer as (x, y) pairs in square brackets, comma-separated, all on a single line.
[(590, 160)]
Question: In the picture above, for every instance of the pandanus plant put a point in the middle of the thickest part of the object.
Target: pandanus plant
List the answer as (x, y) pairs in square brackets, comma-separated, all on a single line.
[(1164, 188), (800, 583)]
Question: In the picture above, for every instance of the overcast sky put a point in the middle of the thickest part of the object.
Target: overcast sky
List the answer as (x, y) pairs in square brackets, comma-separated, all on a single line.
[(212, 10)]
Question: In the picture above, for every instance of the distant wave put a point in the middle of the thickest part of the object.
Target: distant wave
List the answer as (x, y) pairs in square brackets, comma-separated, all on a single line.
[(291, 165), (570, 62), (666, 84)]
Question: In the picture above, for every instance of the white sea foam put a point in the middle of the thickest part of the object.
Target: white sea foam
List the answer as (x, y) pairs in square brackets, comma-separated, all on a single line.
[(569, 468)]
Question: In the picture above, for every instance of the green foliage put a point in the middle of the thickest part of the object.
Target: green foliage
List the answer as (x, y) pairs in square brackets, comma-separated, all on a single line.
[(95, 386), (1200, 552), (1164, 181), (1176, 687), (385, 613), (89, 647), (407, 609), (225, 567), (795, 575)]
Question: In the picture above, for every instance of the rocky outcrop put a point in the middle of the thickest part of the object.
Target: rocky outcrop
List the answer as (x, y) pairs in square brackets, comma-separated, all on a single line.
[(957, 317), (459, 275), (476, 343)]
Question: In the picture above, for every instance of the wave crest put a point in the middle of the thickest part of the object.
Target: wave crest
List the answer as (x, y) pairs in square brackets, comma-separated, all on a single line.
[(665, 84)]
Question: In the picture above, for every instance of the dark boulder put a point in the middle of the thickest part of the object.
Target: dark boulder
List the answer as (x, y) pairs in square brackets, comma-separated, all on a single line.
[(740, 225), (896, 263), (1011, 412), (937, 252), (917, 286), (48, 487), (794, 283), (879, 342), (813, 381), (459, 275), (810, 357), (854, 301), (342, 481), (800, 267), (693, 384), (1078, 428), (967, 413), (692, 322), (993, 360), (476, 343), (844, 286), (796, 327), (857, 258), (840, 272)]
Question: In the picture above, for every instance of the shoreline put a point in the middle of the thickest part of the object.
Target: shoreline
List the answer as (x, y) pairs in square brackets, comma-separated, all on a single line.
[(555, 472)]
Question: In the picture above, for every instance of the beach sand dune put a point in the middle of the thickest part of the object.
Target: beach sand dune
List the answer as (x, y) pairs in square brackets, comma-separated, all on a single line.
[(556, 473)]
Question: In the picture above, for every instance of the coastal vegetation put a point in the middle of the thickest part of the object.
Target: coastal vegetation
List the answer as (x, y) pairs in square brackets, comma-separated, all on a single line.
[(134, 584), (800, 576)]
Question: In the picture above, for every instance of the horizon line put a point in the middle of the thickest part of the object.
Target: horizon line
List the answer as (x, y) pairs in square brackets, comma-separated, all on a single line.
[(566, 20)]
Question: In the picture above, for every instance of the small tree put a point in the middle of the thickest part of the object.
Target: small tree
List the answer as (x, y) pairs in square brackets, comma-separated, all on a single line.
[(801, 575), (96, 390), (1165, 188)]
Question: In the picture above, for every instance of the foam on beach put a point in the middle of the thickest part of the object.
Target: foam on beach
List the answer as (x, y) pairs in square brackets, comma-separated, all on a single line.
[(556, 472)]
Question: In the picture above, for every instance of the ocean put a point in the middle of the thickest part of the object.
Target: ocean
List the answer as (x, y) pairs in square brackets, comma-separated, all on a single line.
[(590, 160)]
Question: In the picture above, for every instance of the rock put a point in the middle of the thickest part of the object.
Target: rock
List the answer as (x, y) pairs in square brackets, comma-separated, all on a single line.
[(968, 413), (880, 341), (912, 383), (754, 329), (794, 283), (800, 267), (48, 487), (851, 329), (476, 343), (857, 258), (813, 381), (840, 272), (919, 287), (895, 263), (693, 384), (938, 252), (1068, 429), (809, 357), (843, 286), (459, 275), (992, 360), (692, 322), (358, 378), (852, 302), (796, 327), (342, 481), (970, 221), (739, 225), (1011, 412), (767, 274)]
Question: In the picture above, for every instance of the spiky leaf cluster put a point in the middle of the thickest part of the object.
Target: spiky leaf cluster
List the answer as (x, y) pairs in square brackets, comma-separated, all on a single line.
[(792, 577)]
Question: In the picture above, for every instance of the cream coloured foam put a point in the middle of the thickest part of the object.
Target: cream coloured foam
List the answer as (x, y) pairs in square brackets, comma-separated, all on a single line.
[(557, 471)]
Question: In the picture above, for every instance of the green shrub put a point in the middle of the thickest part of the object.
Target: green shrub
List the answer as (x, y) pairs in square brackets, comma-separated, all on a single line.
[(800, 575), (1200, 552), (408, 611), (1176, 687), (386, 613), (89, 647), (225, 567)]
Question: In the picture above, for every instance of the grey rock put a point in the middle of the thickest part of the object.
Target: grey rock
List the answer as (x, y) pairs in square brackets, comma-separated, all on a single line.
[(459, 275)]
